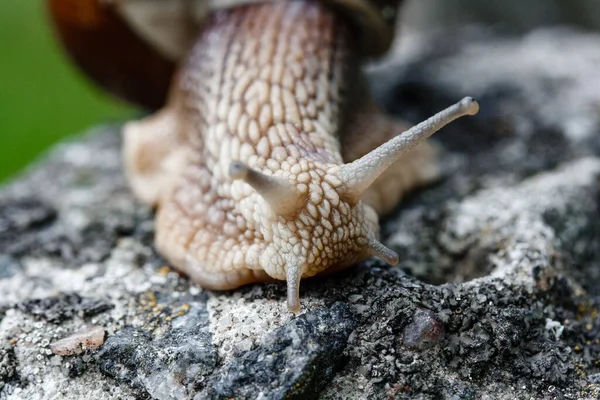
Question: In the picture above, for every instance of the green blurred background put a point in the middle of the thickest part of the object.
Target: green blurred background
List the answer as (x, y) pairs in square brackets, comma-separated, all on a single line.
[(43, 97)]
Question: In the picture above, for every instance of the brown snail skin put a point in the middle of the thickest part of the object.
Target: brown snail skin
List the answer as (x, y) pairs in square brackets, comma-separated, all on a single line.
[(269, 160)]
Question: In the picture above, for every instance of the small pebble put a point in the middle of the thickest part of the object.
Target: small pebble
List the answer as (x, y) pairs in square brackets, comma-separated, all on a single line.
[(424, 330), (76, 343)]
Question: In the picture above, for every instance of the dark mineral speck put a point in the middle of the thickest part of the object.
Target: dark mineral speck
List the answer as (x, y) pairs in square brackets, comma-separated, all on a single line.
[(424, 330)]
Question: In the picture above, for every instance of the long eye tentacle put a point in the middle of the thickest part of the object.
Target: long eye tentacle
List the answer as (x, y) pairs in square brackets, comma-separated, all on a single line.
[(360, 174)]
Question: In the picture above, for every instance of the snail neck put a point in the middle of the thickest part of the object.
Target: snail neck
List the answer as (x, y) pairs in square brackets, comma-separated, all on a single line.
[(266, 82)]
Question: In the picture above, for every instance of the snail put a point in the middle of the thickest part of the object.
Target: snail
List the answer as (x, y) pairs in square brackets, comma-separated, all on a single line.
[(268, 161)]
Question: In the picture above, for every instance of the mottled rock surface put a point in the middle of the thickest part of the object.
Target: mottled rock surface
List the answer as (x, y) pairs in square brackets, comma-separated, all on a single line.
[(496, 295), (513, 15)]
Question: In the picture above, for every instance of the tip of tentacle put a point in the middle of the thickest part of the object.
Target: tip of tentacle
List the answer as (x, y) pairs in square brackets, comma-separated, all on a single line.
[(283, 197), (469, 105), (293, 276), (377, 249), (293, 304), (238, 170)]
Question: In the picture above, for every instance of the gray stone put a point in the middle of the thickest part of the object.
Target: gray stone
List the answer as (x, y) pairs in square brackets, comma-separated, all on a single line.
[(293, 362), (508, 15), (496, 295)]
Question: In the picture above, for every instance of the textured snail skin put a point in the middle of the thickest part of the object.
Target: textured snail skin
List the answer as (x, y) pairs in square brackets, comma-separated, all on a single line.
[(246, 162)]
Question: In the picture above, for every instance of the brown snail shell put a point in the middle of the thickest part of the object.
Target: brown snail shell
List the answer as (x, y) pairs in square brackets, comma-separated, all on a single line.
[(131, 47), (111, 53)]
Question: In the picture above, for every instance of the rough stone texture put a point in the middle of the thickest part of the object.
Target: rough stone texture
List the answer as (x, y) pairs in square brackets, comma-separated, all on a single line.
[(496, 295), (513, 15)]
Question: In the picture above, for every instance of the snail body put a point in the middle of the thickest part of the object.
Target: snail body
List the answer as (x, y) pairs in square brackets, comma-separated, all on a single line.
[(269, 160)]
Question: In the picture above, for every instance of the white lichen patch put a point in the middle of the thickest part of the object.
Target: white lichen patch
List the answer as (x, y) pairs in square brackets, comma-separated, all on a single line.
[(42, 277), (513, 219), (52, 383), (237, 322), (509, 224), (554, 328)]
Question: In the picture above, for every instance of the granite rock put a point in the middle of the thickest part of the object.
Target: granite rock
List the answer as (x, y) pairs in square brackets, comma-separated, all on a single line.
[(496, 295)]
